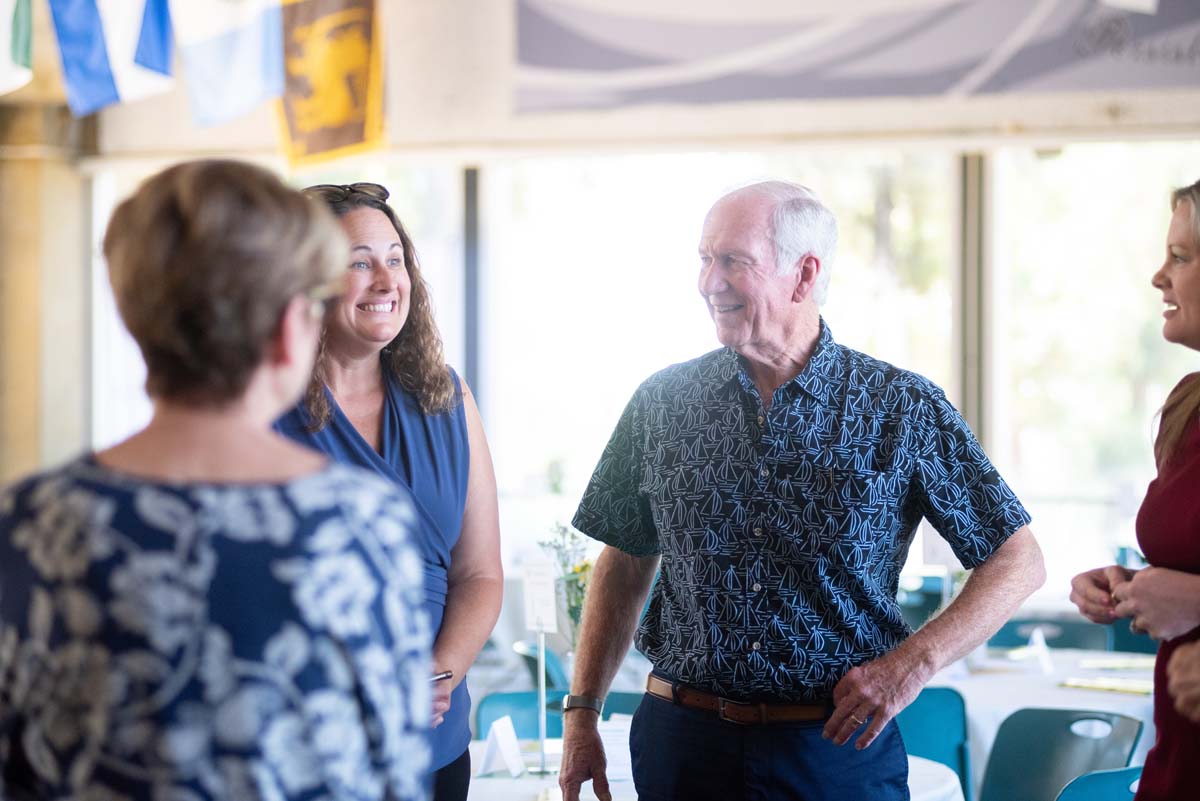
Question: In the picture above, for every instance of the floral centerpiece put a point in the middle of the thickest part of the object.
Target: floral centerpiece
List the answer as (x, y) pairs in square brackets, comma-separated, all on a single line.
[(569, 549)]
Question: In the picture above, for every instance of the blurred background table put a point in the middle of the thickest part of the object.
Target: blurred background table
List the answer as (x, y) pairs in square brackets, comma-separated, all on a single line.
[(927, 780)]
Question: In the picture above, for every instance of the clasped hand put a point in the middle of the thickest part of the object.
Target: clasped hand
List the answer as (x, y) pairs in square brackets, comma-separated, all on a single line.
[(1160, 602)]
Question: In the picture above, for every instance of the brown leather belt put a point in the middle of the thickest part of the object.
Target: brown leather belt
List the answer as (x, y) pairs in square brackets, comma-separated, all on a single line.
[(747, 714)]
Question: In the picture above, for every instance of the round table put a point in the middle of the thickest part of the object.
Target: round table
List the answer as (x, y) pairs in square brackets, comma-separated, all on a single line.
[(927, 780)]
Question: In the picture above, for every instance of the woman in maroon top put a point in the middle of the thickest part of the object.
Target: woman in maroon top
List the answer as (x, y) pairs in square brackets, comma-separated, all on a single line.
[(1164, 600)]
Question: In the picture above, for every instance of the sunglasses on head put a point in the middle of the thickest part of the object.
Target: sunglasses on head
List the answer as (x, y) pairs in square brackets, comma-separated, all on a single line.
[(336, 193)]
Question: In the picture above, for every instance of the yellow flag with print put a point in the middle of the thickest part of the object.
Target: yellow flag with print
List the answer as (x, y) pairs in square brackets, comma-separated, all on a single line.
[(332, 104)]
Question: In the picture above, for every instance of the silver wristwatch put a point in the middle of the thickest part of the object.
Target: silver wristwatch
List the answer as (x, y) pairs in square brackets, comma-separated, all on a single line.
[(583, 702)]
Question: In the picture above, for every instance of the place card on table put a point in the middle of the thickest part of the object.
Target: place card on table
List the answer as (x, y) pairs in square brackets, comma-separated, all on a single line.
[(502, 751)]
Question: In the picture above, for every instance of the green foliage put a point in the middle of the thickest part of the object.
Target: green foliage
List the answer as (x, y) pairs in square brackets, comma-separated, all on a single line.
[(569, 548)]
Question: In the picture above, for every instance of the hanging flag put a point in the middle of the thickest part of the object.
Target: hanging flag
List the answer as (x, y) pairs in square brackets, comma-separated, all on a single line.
[(15, 45), (232, 55), (333, 102), (97, 40), (155, 47)]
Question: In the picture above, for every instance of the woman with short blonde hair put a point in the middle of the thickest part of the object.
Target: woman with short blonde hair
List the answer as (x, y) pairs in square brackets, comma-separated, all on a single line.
[(1163, 600), (207, 610)]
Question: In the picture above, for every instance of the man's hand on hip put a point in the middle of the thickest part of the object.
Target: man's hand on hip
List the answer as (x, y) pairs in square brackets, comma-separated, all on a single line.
[(872, 693), (583, 756)]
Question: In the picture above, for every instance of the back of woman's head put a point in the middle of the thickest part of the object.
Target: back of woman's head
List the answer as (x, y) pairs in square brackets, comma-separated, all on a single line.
[(203, 260)]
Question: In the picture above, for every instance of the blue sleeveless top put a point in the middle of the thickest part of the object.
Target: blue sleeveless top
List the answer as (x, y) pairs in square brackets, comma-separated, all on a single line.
[(428, 455)]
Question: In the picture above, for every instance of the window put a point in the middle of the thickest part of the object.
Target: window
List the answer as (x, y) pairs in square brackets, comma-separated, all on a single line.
[(1081, 366), (589, 286)]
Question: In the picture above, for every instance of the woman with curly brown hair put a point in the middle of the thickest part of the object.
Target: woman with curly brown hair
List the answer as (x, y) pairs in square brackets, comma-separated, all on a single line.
[(383, 398)]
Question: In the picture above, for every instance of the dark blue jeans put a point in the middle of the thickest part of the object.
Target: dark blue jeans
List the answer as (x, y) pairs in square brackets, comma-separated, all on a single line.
[(682, 754)]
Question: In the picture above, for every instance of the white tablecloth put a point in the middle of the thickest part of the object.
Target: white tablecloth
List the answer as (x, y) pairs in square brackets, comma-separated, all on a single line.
[(993, 695), (927, 781)]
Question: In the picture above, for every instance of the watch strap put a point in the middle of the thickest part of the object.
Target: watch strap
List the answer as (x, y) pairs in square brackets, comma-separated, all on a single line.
[(582, 702)]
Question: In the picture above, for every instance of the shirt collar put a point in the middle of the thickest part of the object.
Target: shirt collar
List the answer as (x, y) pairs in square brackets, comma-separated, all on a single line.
[(818, 378)]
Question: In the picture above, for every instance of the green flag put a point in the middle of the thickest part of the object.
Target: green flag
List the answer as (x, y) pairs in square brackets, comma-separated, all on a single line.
[(16, 34)]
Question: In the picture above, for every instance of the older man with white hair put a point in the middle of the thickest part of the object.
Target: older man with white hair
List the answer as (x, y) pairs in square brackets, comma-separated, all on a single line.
[(775, 484)]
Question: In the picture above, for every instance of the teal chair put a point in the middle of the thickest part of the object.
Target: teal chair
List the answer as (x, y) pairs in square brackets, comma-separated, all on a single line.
[(1103, 785), (935, 727), (1123, 639), (1037, 752), (556, 672), (919, 603), (621, 703), (522, 708), (1058, 633)]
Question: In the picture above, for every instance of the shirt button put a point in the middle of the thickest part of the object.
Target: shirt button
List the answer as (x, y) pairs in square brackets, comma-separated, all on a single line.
[(761, 419), (756, 645), (762, 471), (756, 587), (757, 531)]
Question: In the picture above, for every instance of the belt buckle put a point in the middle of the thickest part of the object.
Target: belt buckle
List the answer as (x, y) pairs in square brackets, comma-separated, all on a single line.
[(722, 703)]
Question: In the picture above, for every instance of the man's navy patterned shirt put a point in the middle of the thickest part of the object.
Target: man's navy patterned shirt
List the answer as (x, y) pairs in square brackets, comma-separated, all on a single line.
[(782, 532)]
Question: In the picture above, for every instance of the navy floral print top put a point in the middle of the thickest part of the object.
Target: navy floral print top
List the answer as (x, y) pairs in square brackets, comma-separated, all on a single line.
[(783, 531), (211, 641)]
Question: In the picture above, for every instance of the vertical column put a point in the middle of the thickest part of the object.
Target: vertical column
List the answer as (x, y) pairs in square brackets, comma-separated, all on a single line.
[(972, 321), (471, 312), (43, 287)]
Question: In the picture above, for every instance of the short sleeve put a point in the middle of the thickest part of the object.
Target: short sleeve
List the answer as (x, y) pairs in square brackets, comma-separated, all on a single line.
[(613, 509), (958, 489)]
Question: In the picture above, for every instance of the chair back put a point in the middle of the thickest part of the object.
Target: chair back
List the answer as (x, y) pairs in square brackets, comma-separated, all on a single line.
[(621, 703), (1125, 639), (1104, 785), (522, 708), (1037, 752), (934, 726), (919, 598), (1058, 634), (556, 672)]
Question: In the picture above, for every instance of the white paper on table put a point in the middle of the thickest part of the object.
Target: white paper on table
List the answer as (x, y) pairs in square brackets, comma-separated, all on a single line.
[(959, 669), (541, 600), (502, 751), (614, 734), (1041, 651)]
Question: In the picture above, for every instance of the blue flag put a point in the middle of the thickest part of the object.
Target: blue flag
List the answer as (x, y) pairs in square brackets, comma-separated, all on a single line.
[(97, 42), (155, 47)]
